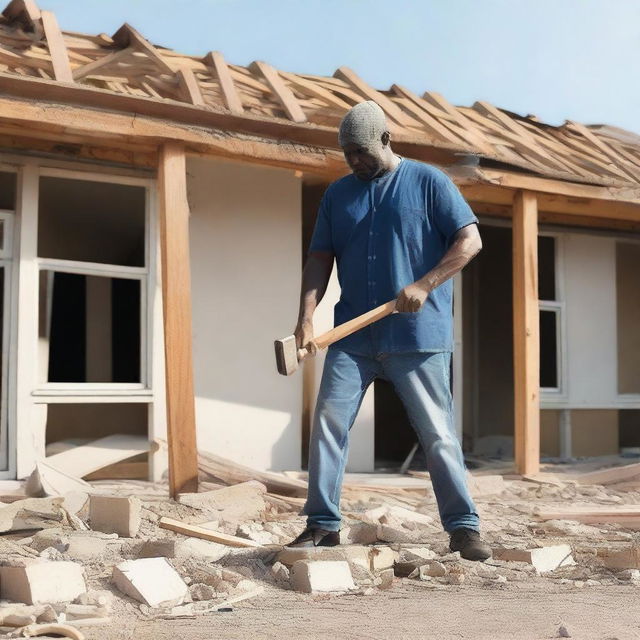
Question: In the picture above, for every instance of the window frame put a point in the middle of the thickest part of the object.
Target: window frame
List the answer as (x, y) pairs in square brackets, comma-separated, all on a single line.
[(144, 275)]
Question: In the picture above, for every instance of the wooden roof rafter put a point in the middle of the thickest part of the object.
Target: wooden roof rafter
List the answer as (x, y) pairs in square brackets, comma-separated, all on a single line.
[(126, 72)]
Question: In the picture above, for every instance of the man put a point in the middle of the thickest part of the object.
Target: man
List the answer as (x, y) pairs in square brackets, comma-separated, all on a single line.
[(397, 229)]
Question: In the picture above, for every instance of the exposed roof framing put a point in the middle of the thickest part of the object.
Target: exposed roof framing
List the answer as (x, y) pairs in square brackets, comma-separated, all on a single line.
[(260, 99)]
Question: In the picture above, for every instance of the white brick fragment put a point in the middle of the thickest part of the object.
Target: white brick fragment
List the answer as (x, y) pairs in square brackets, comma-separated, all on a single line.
[(115, 514), (311, 576)]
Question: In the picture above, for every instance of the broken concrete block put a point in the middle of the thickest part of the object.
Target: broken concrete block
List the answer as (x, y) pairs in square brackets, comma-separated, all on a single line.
[(115, 514), (152, 581), (432, 569), (200, 592), (82, 547), (354, 555), (280, 572), (394, 535), (360, 533), (312, 576), (543, 558), (183, 548), (31, 513), (239, 502), (39, 582), (382, 558), (623, 559), (385, 579), (417, 555)]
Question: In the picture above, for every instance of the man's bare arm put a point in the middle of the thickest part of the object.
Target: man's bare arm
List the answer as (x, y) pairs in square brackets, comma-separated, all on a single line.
[(466, 245), (315, 278)]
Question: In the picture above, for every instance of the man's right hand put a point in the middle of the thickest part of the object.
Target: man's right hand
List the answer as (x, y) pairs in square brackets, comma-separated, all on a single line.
[(304, 337)]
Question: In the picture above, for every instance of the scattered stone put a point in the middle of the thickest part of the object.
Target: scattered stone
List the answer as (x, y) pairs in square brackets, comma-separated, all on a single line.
[(31, 513), (360, 533), (200, 591), (114, 514), (84, 548), (40, 582), (480, 486), (152, 581), (239, 502), (310, 576), (384, 580), (632, 575), (183, 548), (563, 632), (382, 558), (96, 597), (433, 569), (280, 572), (543, 559)]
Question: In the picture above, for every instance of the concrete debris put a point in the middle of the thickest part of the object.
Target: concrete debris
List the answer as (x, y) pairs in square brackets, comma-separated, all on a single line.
[(384, 579), (21, 615), (183, 548), (543, 559), (31, 513), (41, 582), (359, 533), (240, 502), (112, 514), (152, 581), (280, 572), (485, 485), (200, 591), (46, 480), (433, 569), (563, 632), (313, 576)]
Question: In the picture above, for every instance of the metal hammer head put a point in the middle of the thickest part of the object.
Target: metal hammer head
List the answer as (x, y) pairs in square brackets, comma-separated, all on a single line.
[(286, 355)]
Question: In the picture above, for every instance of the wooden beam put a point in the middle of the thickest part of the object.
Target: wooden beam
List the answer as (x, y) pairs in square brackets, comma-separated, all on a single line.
[(57, 48), (27, 13), (99, 64), (282, 92), (390, 108), (190, 86), (526, 333), (127, 36), (176, 298), (227, 86)]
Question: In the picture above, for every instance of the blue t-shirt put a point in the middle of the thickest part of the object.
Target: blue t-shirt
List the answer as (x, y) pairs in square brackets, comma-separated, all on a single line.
[(385, 234)]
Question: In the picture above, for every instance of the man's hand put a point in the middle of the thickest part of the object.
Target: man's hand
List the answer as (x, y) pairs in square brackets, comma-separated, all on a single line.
[(304, 336), (412, 297)]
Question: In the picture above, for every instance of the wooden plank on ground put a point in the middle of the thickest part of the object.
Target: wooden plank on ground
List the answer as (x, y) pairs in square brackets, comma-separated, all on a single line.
[(205, 534), (627, 516), (282, 92), (233, 473), (612, 475), (176, 298), (526, 333), (88, 458), (57, 48), (227, 86)]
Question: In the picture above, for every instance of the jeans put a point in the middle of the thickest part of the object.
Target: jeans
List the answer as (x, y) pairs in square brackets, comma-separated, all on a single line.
[(421, 380)]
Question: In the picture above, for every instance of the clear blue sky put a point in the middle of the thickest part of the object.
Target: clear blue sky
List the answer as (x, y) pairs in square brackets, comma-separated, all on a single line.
[(557, 59)]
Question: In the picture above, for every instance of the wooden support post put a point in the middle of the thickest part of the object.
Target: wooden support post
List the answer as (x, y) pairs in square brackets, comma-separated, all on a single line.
[(176, 294), (526, 333)]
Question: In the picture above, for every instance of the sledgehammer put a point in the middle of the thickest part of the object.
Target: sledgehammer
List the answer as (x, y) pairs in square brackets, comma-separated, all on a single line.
[(288, 356)]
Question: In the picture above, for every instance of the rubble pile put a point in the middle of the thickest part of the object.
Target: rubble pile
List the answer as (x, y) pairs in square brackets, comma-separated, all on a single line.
[(80, 560)]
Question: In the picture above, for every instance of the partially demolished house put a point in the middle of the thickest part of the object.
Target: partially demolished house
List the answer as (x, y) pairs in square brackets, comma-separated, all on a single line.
[(132, 175)]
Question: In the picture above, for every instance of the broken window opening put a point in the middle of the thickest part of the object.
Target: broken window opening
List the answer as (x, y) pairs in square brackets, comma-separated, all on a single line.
[(89, 328)]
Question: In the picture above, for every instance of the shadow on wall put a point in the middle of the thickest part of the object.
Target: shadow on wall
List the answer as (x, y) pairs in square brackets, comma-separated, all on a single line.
[(245, 258)]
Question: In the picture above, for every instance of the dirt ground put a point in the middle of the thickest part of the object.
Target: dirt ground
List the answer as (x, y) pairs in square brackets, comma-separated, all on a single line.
[(413, 611), (588, 598)]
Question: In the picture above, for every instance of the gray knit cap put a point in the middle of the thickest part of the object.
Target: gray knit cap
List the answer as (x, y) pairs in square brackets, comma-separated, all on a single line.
[(363, 125)]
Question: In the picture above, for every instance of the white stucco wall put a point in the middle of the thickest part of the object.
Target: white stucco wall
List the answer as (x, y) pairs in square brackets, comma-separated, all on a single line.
[(245, 260), (590, 286)]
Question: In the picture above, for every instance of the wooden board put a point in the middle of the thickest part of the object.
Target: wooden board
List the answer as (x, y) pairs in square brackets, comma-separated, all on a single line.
[(57, 48), (233, 473), (205, 534), (526, 333), (626, 516), (612, 475), (88, 458), (176, 298)]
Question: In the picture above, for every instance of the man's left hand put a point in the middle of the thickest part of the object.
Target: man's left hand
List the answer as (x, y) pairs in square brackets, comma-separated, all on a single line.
[(411, 298)]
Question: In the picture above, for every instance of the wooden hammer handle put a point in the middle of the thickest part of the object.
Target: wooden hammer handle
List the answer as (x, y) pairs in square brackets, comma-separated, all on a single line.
[(347, 328)]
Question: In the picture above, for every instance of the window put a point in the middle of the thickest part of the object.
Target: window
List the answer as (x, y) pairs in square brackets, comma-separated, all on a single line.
[(551, 310), (92, 238)]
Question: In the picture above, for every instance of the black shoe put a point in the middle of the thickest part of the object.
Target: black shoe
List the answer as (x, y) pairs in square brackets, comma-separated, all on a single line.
[(469, 544), (316, 538)]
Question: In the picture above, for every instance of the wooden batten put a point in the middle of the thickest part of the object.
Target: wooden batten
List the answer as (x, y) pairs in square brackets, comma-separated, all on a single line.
[(176, 290), (526, 333), (57, 48), (229, 91)]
